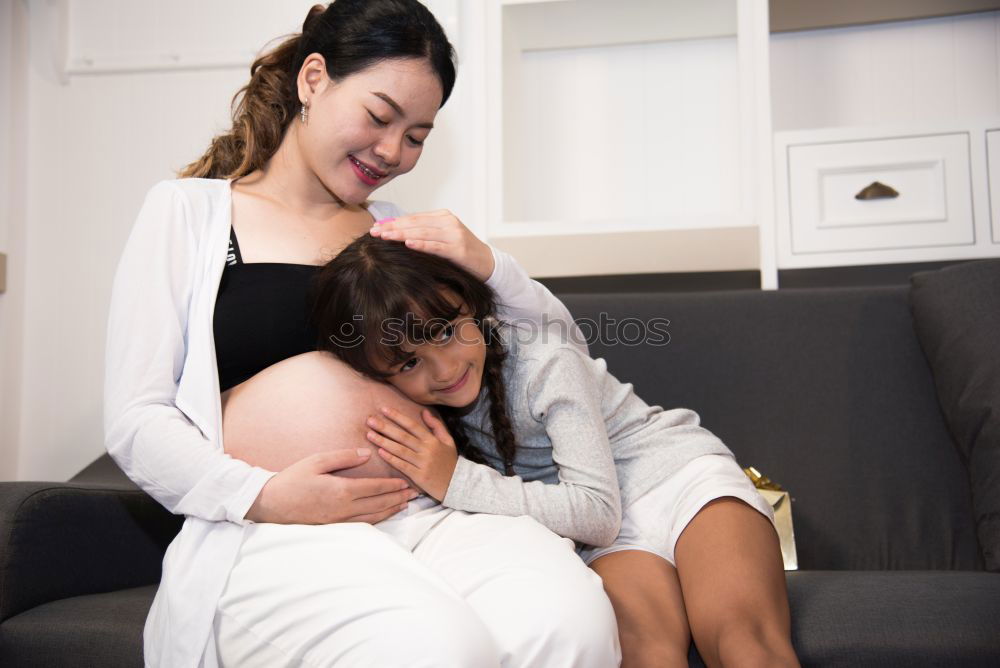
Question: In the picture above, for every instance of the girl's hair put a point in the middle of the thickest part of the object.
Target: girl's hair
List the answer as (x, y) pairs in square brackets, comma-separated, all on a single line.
[(351, 35), (378, 295)]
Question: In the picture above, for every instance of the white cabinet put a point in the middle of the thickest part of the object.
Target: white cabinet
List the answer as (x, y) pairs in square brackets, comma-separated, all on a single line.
[(625, 135), (880, 194), (851, 196), (908, 104), (635, 136)]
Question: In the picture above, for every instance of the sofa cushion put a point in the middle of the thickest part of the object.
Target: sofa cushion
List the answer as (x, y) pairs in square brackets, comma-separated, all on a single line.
[(827, 392), (96, 630), (956, 312), (909, 618), (839, 618)]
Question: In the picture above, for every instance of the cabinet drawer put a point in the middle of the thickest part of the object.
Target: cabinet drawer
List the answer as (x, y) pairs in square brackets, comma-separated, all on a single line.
[(906, 192)]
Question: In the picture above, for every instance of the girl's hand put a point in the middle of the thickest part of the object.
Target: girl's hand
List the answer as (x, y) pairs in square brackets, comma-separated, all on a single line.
[(305, 493), (440, 233), (426, 454)]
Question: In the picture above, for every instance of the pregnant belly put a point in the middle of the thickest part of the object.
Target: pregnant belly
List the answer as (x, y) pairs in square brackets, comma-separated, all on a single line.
[(303, 405)]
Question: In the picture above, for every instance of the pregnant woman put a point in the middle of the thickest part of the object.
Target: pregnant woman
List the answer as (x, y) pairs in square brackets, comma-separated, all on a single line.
[(219, 406)]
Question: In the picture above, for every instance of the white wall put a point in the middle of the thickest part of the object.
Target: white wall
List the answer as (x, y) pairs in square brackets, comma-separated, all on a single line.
[(907, 72), (13, 179), (93, 143), (8, 453)]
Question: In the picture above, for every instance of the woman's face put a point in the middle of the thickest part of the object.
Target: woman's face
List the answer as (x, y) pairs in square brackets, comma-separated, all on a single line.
[(368, 128)]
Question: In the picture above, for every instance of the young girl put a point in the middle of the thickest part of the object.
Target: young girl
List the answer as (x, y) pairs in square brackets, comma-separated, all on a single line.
[(531, 426)]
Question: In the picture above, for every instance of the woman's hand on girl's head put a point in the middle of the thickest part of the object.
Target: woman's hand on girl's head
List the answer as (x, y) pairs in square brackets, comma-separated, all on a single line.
[(305, 493), (440, 233), (423, 452)]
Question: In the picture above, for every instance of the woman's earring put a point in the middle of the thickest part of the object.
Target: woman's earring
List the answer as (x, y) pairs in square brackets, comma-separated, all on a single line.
[(304, 114)]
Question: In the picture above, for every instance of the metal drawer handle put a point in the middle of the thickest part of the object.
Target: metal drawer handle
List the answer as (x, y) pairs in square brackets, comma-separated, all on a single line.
[(876, 190)]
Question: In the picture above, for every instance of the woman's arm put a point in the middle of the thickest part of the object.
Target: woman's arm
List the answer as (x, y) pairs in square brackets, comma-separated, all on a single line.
[(522, 300), (155, 442), (148, 436)]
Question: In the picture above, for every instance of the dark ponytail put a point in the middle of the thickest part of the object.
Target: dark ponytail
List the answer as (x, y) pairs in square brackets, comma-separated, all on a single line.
[(351, 35)]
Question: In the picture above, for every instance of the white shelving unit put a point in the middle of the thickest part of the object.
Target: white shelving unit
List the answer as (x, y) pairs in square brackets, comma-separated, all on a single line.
[(936, 207), (628, 136), (909, 104), (636, 136)]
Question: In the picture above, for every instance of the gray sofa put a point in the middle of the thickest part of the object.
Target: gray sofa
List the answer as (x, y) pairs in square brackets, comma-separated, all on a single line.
[(827, 391)]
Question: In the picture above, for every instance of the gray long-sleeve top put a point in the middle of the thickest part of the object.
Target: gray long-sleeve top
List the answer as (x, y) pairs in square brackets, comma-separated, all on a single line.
[(587, 445)]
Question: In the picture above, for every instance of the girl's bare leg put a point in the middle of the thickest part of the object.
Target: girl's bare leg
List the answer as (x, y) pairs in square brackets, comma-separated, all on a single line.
[(733, 583), (646, 595)]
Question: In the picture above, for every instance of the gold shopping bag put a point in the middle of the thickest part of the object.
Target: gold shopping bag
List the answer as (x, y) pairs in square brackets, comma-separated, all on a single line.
[(781, 504)]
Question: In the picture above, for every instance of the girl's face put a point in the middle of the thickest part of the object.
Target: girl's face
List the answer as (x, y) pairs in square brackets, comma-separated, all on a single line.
[(368, 128), (445, 371)]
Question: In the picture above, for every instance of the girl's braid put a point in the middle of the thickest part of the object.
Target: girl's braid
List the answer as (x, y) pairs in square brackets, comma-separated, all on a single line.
[(503, 432)]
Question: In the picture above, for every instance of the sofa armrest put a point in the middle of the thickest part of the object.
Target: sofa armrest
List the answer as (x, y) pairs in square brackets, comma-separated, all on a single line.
[(59, 540)]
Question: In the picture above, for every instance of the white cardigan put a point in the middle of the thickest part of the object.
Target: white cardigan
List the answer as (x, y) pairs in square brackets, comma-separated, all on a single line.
[(162, 407)]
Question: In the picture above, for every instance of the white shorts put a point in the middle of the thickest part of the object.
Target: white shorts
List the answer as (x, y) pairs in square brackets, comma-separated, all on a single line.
[(655, 520)]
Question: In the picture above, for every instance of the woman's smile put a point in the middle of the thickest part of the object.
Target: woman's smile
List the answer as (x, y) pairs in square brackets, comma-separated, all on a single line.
[(365, 172)]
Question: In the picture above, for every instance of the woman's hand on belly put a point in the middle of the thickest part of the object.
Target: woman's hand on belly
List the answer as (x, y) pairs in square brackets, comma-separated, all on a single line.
[(305, 493), (305, 417)]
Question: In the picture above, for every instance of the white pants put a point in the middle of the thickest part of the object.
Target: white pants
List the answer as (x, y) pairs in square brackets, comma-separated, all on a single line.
[(429, 587), (654, 521)]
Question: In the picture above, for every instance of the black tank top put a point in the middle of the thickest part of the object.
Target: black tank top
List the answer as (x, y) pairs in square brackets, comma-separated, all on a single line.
[(261, 315)]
